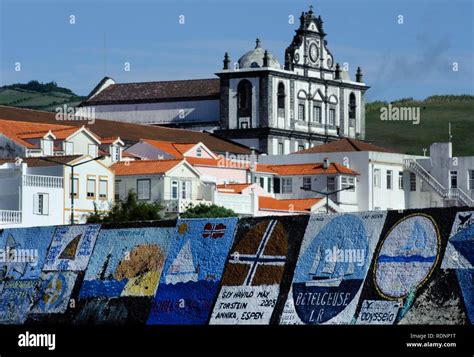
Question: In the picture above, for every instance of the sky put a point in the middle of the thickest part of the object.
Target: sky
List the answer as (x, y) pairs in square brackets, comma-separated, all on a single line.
[(412, 59)]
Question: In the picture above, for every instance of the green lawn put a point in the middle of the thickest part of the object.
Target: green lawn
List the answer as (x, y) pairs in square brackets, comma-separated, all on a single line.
[(35, 100), (435, 116)]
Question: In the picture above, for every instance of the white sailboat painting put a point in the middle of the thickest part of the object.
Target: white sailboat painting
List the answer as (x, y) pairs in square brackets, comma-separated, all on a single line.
[(182, 270), (323, 269)]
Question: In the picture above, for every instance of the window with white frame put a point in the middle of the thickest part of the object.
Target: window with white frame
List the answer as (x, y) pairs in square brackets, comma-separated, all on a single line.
[(307, 182), (377, 178), (74, 187), (143, 189), (400, 180), (453, 179), (92, 150), (199, 152), (389, 179), (118, 189), (331, 184), (281, 150), (286, 185), (103, 189), (348, 181), (174, 189), (116, 153), (301, 110), (332, 117), (317, 114), (471, 179), (41, 203), (90, 187), (412, 181)]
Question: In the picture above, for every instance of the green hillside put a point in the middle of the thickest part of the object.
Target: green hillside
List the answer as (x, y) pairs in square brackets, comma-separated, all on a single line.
[(435, 114), (36, 95)]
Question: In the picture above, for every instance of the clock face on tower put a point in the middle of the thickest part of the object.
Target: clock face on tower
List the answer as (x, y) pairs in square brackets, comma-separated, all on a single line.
[(313, 52)]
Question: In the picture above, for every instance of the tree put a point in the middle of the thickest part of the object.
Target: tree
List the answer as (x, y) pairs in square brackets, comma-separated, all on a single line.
[(127, 210), (208, 211)]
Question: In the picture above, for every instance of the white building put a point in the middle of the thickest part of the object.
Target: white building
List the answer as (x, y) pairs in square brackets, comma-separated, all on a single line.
[(441, 180), (383, 181), (173, 183), (36, 192), (25, 139)]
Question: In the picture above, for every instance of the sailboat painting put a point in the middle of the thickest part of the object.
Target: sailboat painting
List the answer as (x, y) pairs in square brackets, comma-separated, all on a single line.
[(33, 243), (192, 271), (407, 256), (332, 265), (182, 269), (71, 247)]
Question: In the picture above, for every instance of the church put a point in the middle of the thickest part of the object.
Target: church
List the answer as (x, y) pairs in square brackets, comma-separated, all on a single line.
[(256, 101)]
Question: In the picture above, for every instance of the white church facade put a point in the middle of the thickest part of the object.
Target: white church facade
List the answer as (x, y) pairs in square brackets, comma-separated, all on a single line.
[(277, 109)]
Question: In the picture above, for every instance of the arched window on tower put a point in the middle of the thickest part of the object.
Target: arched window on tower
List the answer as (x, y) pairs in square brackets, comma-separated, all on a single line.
[(244, 103), (281, 100), (352, 110)]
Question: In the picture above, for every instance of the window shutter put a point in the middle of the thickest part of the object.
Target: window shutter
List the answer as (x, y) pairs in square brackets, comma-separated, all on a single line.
[(45, 204), (36, 203)]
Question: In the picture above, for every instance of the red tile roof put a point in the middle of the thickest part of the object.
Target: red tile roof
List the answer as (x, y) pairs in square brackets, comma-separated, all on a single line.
[(128, 132), (289, 205), (233, 187), (145, 167), (18, 131), (311, 169), (148, 92), (109, 140), (175, 149), (225, 163), (345, 145)]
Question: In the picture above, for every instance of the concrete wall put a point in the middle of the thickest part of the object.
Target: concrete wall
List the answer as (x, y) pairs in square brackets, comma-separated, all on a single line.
[(386, 267)]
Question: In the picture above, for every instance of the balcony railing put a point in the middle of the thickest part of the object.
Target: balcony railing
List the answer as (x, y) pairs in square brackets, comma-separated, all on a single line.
[(10, 216), (42, 181)]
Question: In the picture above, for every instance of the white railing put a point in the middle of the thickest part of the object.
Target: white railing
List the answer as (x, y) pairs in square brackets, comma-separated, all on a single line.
[(42, 181), (10, 216), (182, 205), (445, 193)]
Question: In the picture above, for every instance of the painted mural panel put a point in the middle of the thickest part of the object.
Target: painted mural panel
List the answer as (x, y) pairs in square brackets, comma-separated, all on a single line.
[(192, 271), (460, 248), (255, 267), (71, 247), (54, 292), (407, 256), (127, 262), (23, 252), (332, 265), (406, 269), (16, 299)]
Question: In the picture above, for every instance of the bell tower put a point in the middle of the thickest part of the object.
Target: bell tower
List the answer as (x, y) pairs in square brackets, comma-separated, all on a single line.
[(308, 53)]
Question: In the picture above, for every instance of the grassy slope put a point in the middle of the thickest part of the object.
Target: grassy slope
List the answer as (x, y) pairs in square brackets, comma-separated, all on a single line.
[(35, 100), (435, 116)]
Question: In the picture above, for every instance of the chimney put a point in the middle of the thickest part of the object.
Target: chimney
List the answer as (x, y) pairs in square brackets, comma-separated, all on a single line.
[(326, 163)]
